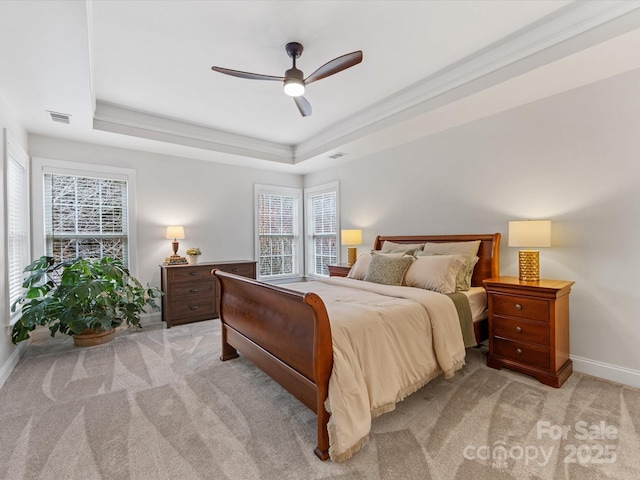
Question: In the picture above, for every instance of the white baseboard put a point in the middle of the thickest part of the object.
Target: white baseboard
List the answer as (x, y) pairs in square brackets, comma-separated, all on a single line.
[(607, 371), (11, 363)]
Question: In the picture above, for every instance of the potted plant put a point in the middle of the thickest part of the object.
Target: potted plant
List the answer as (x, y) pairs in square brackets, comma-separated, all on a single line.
[(192, 255), (84, 298)]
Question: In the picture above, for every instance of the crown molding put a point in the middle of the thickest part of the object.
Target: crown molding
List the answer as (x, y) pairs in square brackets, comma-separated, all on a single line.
[(575, 27), (119, 119), (549, 39)]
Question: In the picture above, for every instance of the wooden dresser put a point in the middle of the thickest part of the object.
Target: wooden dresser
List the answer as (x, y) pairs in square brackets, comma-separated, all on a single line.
[(529, 327), (190, 291)]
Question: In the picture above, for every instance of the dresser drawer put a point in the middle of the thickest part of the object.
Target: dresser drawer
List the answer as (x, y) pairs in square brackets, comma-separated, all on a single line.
[(193, 290), (526, 353), (199, 307), (520, 307), (521, 330), (242, 269), (189, 274)]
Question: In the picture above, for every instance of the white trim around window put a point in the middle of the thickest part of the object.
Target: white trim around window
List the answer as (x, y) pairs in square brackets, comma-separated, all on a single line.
[(281, 242), (42, 166), (311, 235), (16, 228)]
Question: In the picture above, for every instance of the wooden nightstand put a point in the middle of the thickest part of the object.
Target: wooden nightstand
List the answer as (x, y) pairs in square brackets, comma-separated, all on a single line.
[(339, 270), (529, 327)]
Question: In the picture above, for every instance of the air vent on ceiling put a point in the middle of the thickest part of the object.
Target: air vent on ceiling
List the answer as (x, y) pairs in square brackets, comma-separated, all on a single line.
[(337, 155), (60, 117)]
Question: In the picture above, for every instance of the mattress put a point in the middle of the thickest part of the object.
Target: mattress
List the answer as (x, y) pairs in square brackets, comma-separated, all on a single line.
[(478, 302)]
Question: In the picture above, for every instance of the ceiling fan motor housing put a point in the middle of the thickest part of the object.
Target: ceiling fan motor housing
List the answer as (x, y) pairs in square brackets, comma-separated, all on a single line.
[(294, 49)]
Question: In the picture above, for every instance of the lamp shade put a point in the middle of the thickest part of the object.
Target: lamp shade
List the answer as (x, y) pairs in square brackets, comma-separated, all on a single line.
[(351, 237), (175, 232), (530, 233)]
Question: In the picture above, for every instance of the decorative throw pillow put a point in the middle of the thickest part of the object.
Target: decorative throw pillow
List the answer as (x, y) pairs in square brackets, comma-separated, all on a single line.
[(388, 269), (359, 269), (463, 279), (435, 272)]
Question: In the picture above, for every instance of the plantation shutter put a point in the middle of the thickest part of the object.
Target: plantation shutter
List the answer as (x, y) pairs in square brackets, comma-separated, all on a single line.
[(85, 217), (324, 225), (17, 221)]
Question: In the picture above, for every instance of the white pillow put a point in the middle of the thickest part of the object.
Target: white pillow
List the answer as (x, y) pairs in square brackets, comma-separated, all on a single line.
[(360, 268), (437, 272)]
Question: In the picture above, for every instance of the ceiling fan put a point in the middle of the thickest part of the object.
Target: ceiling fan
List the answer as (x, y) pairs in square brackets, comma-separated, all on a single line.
[(294, 81)]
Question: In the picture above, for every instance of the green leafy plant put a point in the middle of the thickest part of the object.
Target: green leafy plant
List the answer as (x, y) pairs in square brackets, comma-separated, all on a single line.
[(194, 251), (74, 296)]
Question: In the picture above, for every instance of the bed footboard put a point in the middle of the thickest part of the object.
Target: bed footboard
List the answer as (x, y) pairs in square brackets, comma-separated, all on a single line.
[(283, 332)]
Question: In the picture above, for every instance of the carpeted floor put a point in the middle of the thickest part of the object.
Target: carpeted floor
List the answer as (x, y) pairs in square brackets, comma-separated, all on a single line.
[(158, 404)]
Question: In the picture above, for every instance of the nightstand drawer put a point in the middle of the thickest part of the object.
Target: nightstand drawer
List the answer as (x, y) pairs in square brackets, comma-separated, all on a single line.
[(521, 330), (520, 307), (522, 352)]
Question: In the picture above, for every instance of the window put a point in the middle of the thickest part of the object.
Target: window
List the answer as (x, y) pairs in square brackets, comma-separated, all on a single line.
[(85, 217), (278, 220), (321, 212), (17, 214), (82, 210)]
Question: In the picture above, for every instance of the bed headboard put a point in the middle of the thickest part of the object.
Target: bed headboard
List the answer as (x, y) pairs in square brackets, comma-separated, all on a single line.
[(489, 252)]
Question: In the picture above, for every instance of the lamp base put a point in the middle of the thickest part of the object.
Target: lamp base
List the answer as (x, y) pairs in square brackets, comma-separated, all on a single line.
[(352, 255), (529, 265)]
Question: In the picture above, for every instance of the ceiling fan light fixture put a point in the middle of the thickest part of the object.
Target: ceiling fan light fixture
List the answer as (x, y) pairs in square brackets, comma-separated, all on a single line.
[(294, 87), (293, 82)]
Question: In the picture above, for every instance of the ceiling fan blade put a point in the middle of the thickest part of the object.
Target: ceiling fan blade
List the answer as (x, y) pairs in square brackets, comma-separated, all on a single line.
[(334, 66), (250, 76), (303, 105)]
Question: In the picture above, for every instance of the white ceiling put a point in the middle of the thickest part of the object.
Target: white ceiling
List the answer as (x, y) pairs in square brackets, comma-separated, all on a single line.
[(138, 74)]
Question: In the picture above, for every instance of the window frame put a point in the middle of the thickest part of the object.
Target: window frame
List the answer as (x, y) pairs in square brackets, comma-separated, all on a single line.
[(13, 151), (42, 166), (308, 231), (298, 259)]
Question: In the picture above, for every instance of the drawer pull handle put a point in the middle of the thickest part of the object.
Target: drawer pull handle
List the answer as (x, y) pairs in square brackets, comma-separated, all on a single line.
[(519, 329), (194, 307), (518, 306), (193, 274), (519, 351), (234, 270), (194, 290)]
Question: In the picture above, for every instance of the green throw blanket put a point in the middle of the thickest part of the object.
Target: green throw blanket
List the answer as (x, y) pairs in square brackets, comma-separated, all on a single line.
[(461, 301)]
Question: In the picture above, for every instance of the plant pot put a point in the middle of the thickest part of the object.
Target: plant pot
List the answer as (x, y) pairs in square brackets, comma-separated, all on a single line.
[(89, 338), (193, 259)]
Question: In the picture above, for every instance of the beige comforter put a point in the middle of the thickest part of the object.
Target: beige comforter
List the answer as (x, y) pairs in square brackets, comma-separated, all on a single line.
[(387, 343)]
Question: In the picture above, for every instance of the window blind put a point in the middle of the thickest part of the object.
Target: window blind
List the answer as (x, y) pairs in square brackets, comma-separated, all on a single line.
[(17, 221), (324, 227), (278, 235), (85, 217)]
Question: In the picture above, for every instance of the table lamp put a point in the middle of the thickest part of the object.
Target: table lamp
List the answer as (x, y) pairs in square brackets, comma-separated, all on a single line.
[(176, 232), (529, 233), (351, 238)]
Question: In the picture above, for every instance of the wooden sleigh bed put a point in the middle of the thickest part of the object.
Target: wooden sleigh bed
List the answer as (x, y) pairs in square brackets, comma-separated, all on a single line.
[(287, 333)]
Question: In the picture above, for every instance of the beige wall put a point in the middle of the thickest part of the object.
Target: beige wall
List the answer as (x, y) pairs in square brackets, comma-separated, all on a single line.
[(573, 159), (213, 201)]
